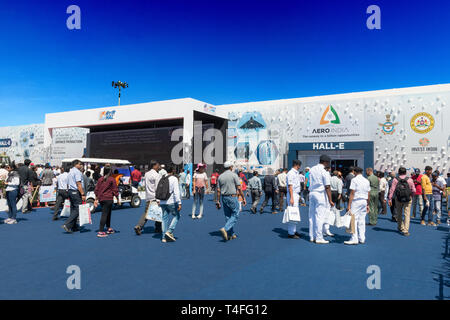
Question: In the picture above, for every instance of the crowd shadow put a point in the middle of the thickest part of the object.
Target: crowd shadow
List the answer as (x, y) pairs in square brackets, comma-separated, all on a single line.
[(217, 234), (151, 230), (385, 230)]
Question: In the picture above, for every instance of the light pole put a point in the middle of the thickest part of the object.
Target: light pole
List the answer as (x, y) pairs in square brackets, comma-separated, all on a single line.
[(120, 85)]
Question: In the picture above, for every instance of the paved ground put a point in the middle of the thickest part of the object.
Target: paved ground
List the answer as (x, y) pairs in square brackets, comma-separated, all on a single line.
[(261, 264)]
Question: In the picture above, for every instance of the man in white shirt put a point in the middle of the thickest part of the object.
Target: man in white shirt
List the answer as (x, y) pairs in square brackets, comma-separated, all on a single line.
[(383, 188), (62, 188), (336, 185), (358, 205), (151, 182), (319, 196), (293, 195), (170, 207)]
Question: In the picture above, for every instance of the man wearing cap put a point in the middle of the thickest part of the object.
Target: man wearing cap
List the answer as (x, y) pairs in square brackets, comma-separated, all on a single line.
[(319, 195), (229, 188)]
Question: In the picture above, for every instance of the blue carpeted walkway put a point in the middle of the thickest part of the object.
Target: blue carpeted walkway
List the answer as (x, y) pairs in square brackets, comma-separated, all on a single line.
[(261, 264)]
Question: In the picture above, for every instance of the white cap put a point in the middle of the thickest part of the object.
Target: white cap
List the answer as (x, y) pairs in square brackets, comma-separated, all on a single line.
[(228, 164)]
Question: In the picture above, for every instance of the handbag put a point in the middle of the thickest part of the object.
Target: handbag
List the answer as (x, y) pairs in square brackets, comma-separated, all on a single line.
[(352, 228), (154, 212), (84, 215), (291, 214), (65, 212)]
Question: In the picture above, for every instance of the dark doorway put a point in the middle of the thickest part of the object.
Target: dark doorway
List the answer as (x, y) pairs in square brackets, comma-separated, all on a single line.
[(343, 166)]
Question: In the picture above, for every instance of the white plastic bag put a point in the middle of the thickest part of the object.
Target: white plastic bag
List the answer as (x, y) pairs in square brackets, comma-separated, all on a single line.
[(346, 220), (84, 215), (4, 205), (154, 212), (330, 217), (291, 214), (65, 212)]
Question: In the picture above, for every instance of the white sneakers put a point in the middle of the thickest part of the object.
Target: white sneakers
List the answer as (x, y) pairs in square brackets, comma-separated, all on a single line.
[(193, 217), (351, 242), (10, 221), (329, 234), (322, 241)]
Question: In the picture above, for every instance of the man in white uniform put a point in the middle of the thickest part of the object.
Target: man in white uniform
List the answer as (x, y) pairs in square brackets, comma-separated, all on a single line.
[(319, 196), (293, 195), (358, 205)]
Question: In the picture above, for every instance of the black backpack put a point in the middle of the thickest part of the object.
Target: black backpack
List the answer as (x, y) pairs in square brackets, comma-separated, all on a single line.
[(163, 190), (403, 191)]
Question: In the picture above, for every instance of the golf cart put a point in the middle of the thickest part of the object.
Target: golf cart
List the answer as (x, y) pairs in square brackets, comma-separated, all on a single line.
[(127, 193)]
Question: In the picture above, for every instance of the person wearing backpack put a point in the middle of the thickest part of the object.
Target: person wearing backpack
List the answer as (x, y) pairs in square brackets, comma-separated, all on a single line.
[(402, 191), (168, 194), (270, 189)]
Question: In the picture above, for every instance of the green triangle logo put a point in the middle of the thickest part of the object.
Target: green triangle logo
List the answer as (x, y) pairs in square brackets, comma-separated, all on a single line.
[(336, 117)]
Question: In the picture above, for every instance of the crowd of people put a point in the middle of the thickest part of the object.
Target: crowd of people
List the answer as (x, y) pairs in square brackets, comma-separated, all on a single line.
[(323, 190)]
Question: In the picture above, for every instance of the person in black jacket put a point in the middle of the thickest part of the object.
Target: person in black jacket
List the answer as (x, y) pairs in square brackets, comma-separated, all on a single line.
[(270, 187), (26, 175)]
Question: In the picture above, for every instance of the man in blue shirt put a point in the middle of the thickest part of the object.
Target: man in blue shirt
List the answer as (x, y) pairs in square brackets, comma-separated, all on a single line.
[(76, 194)]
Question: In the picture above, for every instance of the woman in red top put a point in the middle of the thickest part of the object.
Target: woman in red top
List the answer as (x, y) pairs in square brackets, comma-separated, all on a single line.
[(105, 191)]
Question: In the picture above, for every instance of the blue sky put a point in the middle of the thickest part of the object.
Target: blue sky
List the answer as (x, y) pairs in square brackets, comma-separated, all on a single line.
[(215, 51)]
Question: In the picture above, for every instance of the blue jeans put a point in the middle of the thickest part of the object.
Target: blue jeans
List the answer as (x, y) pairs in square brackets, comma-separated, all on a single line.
[(183, 189), (231, 211), (11, 198), (428, 209), (438, 207), (169, 210), (198, 196)]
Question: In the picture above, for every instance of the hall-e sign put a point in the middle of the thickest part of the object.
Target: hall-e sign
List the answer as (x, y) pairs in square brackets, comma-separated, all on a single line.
[(329, 146)]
